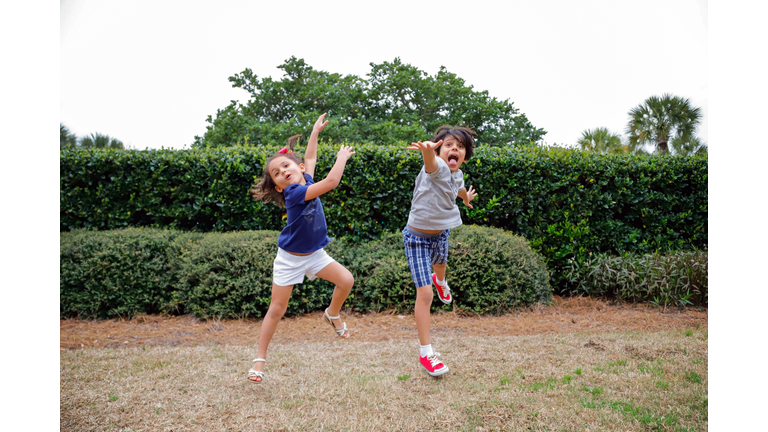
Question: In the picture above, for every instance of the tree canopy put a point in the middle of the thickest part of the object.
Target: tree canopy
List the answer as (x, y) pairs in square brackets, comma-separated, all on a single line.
[(601, 140), (397, 102), (661, 119)]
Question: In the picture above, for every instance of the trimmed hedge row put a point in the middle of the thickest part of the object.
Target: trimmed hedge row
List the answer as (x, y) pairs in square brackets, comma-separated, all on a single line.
[(106, 274), (678, 279), (568, 203)]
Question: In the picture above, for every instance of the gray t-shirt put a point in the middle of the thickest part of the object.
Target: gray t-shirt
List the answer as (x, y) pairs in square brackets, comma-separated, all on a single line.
[(433, 206)]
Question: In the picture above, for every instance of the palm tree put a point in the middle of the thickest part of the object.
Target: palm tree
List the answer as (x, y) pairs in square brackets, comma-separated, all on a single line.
[(97, 140), (691, 147), (601, 140), (66, 138), (660, 119)]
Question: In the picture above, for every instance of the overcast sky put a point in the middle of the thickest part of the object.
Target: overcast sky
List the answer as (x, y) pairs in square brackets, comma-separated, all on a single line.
[(149, 73)]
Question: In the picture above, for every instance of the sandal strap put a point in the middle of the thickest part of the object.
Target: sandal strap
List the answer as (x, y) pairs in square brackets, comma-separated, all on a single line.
[(330, 317), (259, 360), (342, 330)]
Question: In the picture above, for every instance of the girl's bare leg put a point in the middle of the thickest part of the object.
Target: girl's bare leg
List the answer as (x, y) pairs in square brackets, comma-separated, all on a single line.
[(424, 298), (338, 275), (277, 307)]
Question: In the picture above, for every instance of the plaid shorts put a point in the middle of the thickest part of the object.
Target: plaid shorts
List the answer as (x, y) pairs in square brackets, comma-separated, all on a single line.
[(423, 251)]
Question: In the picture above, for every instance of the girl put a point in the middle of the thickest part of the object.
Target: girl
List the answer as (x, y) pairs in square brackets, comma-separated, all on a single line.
[(433, 214), (289, 182)]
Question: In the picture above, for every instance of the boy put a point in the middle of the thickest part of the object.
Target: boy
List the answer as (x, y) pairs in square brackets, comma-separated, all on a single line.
[(433, 213)]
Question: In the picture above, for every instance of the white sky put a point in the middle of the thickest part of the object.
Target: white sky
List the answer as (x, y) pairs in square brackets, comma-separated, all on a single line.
[(149, 73)]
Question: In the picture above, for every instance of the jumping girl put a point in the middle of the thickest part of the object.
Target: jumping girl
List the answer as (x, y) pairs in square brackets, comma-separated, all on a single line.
[(289, 182)]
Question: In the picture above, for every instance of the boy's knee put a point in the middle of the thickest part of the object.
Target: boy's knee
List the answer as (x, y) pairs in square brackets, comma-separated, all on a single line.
[(424, 294)]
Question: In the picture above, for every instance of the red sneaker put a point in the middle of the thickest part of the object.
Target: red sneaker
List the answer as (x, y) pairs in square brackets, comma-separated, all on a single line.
[(433, 365), (443, 291)]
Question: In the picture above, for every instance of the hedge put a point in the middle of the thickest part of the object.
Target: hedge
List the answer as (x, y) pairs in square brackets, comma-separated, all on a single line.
[(568, 203), (229, 275), (678, 278)]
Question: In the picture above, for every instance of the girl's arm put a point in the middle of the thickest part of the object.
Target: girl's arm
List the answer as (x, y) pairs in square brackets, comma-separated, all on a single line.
[(334, 177), (310, 156), (427, 149), (467, 196)]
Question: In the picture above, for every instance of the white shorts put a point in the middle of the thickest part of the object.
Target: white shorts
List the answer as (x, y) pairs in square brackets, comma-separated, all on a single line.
[(290, 269)]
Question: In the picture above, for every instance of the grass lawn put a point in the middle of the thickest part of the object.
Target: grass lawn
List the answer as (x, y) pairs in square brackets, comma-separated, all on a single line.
[(624, 380)]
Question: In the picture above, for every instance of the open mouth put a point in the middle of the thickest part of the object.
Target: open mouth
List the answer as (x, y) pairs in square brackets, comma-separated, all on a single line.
[(288, 177), (453, 157)]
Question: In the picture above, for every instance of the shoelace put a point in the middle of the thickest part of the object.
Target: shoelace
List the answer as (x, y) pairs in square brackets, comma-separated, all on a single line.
[(433, 359), (446, 289)]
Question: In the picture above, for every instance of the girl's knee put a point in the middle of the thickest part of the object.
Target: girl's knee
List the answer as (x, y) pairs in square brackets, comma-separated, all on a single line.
[(277, 308)]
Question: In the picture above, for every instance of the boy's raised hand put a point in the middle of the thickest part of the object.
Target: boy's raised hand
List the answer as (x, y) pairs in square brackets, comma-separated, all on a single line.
[(345, 152), (424, 146), (471, 194), (319, 124)]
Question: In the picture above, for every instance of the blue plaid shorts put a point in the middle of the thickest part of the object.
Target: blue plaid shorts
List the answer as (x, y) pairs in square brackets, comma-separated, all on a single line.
[(423, 251)]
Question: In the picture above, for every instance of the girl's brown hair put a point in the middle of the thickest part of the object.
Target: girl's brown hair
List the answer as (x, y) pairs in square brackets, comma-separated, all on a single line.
[(464, 135), (264, 190)]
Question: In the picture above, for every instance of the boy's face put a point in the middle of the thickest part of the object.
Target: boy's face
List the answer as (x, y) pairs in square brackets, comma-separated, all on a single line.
[(285, 172), (452, 151)]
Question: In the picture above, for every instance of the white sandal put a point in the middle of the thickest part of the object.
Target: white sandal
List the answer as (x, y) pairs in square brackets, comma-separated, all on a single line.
[(259, 374), (340, 331)]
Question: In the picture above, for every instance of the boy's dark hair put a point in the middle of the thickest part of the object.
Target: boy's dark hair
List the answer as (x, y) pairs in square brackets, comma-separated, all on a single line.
[(464, 135), (264, 190)]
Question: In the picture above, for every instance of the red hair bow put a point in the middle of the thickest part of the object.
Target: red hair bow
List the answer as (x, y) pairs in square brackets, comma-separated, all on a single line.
[(285, 150)]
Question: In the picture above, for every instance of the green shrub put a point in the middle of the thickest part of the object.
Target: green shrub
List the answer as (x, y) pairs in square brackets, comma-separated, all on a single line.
[(114, 273), (568, 203), (679, 278), (229, 275)]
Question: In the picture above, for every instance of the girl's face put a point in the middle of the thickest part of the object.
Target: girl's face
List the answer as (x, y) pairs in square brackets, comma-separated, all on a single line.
[(452, 151), (285, 172)]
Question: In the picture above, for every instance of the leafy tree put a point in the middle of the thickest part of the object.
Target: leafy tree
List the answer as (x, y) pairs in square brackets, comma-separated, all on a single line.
[(66, 138), (602, 140), (661, 119), (97, 140), (398, 102)]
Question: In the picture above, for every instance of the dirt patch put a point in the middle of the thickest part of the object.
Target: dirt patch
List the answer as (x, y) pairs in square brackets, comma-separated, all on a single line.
[(565, 315)]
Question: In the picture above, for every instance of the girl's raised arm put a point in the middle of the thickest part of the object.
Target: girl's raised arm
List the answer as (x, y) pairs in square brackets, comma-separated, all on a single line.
[(310, 156), (334, 176)]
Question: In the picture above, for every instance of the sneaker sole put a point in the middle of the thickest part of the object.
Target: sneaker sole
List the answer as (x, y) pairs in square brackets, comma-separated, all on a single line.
[(437, 372)]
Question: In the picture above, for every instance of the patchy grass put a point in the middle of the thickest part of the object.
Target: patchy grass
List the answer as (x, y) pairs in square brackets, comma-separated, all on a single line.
[(531, 382)]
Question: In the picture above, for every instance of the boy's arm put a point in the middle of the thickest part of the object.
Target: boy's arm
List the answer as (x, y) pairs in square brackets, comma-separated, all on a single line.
[(427, 149), (467, 196), (334, 177), (310, 156)]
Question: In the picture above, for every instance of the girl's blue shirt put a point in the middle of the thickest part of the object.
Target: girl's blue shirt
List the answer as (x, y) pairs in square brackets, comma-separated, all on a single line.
[(306, 231)]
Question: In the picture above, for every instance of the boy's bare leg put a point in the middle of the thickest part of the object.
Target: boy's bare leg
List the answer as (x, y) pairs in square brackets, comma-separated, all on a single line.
[(338, 275), (424, 298), (277, 307), (440, 270)]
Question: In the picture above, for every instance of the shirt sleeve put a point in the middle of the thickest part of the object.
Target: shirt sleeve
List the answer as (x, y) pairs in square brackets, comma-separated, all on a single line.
[(442, 169), (295, 194), (461, 180)]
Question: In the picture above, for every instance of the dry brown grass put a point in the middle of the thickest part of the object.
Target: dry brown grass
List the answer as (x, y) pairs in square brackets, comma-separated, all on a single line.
[(654, 379), (564, 316)]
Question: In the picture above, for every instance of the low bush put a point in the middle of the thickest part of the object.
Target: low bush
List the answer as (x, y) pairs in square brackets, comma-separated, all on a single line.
[(229, 275), (107, 274), (678, 278)]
